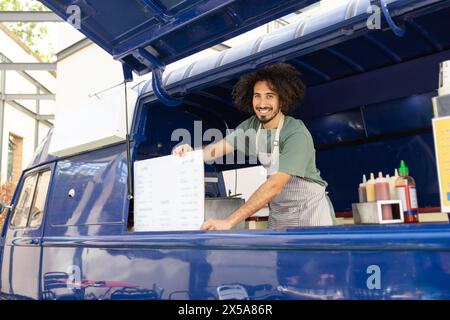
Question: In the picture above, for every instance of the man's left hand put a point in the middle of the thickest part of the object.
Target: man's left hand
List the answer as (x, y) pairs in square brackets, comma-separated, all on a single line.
[(216, 224)]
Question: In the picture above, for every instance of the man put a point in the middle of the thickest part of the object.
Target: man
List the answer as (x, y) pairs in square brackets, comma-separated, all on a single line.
[(294, 189)]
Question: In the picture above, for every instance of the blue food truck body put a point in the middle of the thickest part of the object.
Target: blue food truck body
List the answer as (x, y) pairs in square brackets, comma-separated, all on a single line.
[(368, 105)]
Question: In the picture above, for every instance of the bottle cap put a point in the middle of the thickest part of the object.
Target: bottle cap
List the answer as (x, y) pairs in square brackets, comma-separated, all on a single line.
[(364, 181), (403, 170), (380, 178)]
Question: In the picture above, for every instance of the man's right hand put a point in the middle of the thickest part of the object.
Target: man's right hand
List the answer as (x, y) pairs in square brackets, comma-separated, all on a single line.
[(181, 150)]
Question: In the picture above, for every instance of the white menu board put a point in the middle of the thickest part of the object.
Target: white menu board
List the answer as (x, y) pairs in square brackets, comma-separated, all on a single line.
[(169, 193)]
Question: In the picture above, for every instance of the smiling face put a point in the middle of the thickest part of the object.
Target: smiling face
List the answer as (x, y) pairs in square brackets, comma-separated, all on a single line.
[(266, 102)]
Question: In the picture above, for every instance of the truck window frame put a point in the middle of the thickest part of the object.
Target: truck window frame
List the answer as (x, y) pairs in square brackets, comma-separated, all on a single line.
[(37, 175)]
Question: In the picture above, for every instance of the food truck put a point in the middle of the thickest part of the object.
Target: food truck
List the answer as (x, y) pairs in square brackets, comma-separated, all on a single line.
[(372, 71)]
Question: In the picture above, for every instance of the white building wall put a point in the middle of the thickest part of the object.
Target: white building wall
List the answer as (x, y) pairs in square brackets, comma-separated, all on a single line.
[(67, 36), (22, 126), (15, 121)]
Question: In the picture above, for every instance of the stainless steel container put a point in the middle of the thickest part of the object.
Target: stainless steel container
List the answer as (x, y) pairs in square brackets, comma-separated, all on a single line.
[(220, 208)]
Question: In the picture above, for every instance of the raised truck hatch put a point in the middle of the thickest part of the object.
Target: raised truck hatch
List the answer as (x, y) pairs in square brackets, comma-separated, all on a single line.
[(145, 34)]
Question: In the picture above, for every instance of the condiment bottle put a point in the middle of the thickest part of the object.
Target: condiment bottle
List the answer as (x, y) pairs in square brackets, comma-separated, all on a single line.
[(370, 188), (392, 190), (382, 193), (406, 190), (362, 190)]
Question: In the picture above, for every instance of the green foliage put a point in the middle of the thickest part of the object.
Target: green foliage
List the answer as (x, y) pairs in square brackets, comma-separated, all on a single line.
[(30, 33), (6, 193)]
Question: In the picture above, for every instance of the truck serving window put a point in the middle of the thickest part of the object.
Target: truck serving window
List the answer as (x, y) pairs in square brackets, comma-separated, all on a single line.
[(36, 214), (30, 205)]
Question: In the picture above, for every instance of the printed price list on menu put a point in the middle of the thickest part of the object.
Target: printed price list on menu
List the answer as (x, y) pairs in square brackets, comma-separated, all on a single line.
[(169, 193)]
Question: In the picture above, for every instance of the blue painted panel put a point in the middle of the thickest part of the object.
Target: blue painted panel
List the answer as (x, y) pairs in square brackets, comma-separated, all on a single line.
[(340, 127), (309, 263), (327, 63), (433, 24), (398, 115), (57, 263), (176, 4), (343, 167), (411, 45), (370, 59), (374, 87), (22, 254)]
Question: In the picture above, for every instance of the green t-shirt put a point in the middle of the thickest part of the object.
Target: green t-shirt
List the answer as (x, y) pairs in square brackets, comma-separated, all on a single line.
[(297, 153)]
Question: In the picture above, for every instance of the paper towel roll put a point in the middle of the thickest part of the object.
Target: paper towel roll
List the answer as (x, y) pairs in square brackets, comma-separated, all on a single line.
[(444, 78)]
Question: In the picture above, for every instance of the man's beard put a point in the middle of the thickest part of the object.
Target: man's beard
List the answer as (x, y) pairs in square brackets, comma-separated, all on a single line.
[(264, 121)]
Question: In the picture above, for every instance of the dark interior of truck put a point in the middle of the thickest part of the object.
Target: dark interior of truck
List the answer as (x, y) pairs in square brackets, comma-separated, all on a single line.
[(368, 101)]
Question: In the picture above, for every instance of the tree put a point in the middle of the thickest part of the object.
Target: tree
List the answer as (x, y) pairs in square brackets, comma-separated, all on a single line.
[(30, 33)]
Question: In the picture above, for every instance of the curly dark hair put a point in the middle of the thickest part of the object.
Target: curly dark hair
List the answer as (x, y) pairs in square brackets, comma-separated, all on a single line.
[(282, 78)]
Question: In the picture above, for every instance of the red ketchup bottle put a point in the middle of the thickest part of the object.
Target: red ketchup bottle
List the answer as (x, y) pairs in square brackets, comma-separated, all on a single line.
[(406, 191)]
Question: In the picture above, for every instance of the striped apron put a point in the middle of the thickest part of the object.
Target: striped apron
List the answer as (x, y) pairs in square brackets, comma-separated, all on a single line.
[(301, 203)]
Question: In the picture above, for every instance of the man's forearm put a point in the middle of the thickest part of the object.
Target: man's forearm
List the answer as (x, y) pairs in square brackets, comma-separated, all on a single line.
[(215, 150), (262, 196), (209, 152)]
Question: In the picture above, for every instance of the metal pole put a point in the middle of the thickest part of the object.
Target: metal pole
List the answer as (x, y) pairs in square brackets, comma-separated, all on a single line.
[(25, 75), (22, 66), (36, 123), (29, 16), (130, 181), (29, 96)]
